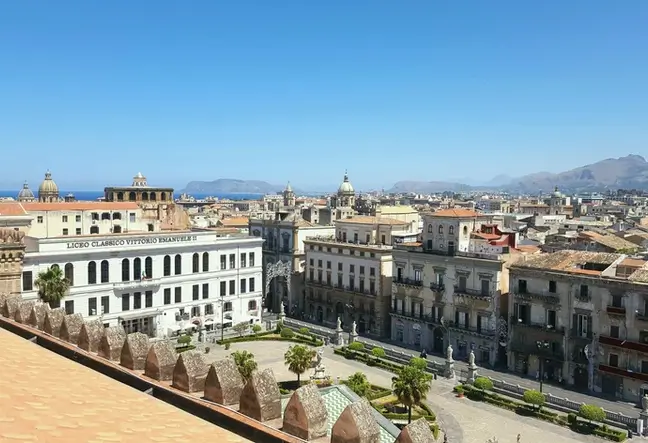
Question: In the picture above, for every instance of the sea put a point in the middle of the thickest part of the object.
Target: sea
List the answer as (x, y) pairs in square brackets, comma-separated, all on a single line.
[(94, 195)]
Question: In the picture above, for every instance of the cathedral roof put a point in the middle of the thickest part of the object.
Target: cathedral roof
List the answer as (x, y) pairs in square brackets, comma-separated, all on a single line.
[(346, 187), (25, 193), (48, 186)]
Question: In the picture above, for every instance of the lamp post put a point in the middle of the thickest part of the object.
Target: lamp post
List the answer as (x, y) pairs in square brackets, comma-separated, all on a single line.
[(542, 346)]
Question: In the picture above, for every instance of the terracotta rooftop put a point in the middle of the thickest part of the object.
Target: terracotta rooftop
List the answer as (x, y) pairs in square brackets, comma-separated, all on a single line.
[(12, 209), (95, 409), (80, 206), (633, 263), (235, 221), (566, 261), (369, 220), (456, 213)]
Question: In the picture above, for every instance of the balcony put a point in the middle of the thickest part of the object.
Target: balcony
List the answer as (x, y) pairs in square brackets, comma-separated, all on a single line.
[(407, 282), (531, 348), (623, 344), (438, 287), (616, 310), (623, 372), (471, 292), (642, 316), (539, 326), (340, 242), (544, 297), (136, 284), (458, 327), (409, 315)]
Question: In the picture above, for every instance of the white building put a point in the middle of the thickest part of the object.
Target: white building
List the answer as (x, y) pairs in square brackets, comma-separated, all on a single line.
[(156, 283)]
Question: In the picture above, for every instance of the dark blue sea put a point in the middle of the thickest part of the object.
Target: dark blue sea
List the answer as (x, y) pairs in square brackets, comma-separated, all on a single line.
[(94, 195)]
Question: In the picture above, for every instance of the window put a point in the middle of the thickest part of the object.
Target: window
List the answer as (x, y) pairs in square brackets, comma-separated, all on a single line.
[(209, 310), (614, 331), (92, 273), (105, 305), (319, 263), (352, 269), (167, 296), (125, 302), (328, 265), (223, 262), (92, 306), (228, 306), (243, 256), (195, 292), (78, 219), (311, 262), (69, 273), (125, 270), (583, 325), (137, 300), (94, 229), (372, 287), (451, 230), (311, 275), (440, 229), (552, 287), (132, 217), (105, 269), (94, 216), (232, 287), (584, 291), (65, 231), (243, 284), (27, 281), (195, 263), (39, 219), (372, 272), (205, 258), (362, 270), (178, 295), (485, 287), (252, 305), (148, 267), (167, 265), (551, 319), (178, 264), (462, 283), (522, 286), (205, 290), (430, 228), (137, 269), (617, 301), (340, 267), (251, 285), (69, 307), (78, 231), (251, 261), (232, 261), (148, 299), (614, 360), (418, 275), (223, 288)]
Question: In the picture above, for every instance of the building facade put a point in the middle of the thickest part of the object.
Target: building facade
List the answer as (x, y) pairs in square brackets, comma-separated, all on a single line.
[(156, 283)]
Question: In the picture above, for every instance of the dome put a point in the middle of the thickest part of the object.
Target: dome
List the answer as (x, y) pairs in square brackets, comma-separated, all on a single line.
[(346, 187), (139, 181), (48, 187), (288, 188), (25, 193)]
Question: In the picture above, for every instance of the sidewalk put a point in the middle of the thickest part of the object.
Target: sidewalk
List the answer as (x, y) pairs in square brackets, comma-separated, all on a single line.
[(613, 406)]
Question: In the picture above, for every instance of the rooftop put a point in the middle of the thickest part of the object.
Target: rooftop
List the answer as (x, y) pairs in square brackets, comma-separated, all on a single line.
[(369, 220), (97, 409), (11, 209), (569, 261), (455, 213), (79, 206)]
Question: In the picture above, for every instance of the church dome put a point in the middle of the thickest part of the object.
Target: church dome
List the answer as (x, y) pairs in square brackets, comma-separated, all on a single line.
[(346, 187), (288, 189), (25, 193), (48, 187)]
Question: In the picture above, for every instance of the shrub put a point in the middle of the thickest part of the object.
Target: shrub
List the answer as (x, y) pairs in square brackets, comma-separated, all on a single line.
[(241, 327), (184, 340), (483, 384), (356, 346), (256, 329), (591, 413), (304, 331), (378, 352), (418, 363), (459, 389), (227, 346), (287, 333), (534, 397)]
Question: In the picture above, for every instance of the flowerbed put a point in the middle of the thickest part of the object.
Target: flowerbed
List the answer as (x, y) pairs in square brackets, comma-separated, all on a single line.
[(274, 336)]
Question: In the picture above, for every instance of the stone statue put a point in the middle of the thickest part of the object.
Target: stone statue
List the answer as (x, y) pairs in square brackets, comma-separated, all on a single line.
[(320, 356), (644, 403), (471, 358), (449, 352), (339, 324), (11, 236), (281, 307), (353, 328)]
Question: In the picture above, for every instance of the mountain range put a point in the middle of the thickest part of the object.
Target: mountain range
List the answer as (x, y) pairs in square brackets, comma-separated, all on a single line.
[(626, 172), (233, 186)]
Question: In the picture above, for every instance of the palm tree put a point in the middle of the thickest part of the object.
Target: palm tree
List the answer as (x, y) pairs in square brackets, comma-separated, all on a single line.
[(245, 363), (52, 286), (299, 358), (410, 386)]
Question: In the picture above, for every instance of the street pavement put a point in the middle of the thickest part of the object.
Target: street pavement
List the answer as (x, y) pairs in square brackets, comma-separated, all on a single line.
[(625, 408)]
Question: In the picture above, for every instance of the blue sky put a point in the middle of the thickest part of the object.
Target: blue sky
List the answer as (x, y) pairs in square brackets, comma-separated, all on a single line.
[(300, 90)]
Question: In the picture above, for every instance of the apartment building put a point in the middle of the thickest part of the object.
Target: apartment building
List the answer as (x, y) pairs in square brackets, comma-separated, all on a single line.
[(349, 275), (583, 317), (448, 288)]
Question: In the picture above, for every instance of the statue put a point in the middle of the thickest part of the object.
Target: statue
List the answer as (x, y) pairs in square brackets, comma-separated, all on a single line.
[(320, 369), (644, 403), (449, 352), (320, 356), (339, 324), (353, 329), (471, 358)]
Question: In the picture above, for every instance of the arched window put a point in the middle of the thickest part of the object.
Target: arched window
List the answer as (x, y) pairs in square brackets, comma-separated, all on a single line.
[(117, 229), (131, 196), (195, 262), (92, 273), (148, 267), (94, 229), (69, 273), (163, 196), (120, 196), (430, 227), (465, 230), (145, 196), (153, 196), (252, 305), (105, 269), (125, 270), (205, 261), (137, 268), (440, 229), (151, 227), (116, 215), (167, 265), (178, 264), (451, 230), (105, 215)]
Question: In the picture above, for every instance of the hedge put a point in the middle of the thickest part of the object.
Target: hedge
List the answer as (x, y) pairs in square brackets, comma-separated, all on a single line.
[(570, 420), (368, 359), (296, 338)]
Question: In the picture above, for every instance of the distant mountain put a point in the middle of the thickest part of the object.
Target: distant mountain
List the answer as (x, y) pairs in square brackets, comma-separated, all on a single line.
[(624, 172), (232, 186), (499, 180), (420, 187)]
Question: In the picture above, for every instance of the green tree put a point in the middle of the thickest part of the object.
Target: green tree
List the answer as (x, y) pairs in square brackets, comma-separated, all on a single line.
[(410, 386), (245, 363), (419, 363), (534, 397), (299, 358), (304, 331), (184, 340), (483, 384), (256, 329), (359, 384), (356, 346), (592, 413), (52, 286), (287, 333), (378, 353), (241, 327)]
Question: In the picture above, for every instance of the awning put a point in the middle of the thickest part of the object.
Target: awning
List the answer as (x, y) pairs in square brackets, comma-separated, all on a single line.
[(139, 314), (208, 322)]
